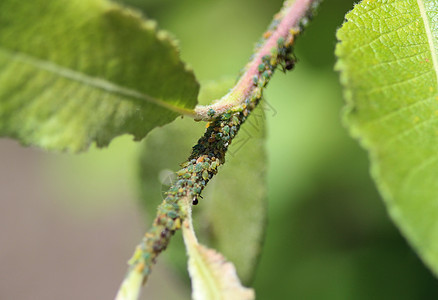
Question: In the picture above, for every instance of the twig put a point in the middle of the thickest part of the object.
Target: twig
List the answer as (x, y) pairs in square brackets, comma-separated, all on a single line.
[(225, 116)]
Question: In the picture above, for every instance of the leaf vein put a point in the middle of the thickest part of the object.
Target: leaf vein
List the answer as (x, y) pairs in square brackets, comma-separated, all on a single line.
[(91, 81)]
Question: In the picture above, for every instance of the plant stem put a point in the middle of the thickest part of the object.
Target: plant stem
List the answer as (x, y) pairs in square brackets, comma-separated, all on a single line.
[(287, 24), (225, 116)]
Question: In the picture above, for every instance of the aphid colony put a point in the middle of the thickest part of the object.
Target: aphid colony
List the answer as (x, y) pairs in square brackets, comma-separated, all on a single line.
[(206, 157), (209, 153)]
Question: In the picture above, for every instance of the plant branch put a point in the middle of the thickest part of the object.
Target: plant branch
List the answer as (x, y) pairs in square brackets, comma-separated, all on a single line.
[(225, 116), (274, 48)]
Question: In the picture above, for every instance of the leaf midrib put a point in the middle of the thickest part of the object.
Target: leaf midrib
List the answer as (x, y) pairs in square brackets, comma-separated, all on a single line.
[(94, 82), (430, 38)]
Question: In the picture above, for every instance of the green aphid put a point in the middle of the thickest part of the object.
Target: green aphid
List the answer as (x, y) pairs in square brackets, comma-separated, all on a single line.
[(181, 172), (190, 169), (205, 175), (261, 67), (213, 165), (187, 175), (266, 58), (266, 74), (258, 93), (211, 112), (226, 116), (280, 41), (226, 129), (235, 120), (173, 189), (274, 52), (255, 79), (185, 164), (196, 190), (274, 61), (205, 165), (172, 214), (198, 167), (168, 207)]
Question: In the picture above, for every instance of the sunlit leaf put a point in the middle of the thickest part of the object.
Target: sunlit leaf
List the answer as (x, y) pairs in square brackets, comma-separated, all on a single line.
[(389, 65), (74, 72)]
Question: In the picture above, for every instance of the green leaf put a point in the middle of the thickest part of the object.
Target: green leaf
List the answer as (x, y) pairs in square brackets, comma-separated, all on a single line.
[(232, 216), (213, 277), (388, 62), (74, 72)]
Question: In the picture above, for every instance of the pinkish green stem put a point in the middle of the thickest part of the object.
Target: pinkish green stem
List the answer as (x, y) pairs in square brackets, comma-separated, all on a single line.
[(287, 24), (208, 154)]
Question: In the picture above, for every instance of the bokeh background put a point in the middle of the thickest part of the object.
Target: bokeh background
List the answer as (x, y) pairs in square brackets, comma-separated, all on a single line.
[(69, 223)]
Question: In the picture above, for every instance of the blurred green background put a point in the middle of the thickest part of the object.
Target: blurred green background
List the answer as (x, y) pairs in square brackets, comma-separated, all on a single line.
[(328, 234)]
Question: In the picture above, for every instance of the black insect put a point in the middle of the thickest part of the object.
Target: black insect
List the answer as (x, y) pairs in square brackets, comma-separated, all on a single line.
[(289, 64)]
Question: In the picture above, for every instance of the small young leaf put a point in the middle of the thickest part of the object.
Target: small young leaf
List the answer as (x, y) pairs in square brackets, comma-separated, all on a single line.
[(74, 72), (213, 277), (389, 68), (130, 288)]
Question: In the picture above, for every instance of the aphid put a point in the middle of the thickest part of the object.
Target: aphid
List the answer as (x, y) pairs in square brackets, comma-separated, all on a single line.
[(164, 233), (198, 167), (255, 80), (205, 175), (185, 164), (289, 64), (266, 58), (211, 112), (233, 130), (304, 22), (181, 172), (173, 189), (177, 224), (172, 214), (226, 116), (280, 41), (261, 67)]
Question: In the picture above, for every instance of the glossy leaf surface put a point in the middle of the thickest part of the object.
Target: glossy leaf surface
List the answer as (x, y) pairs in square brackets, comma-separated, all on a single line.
[(389, 68)]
